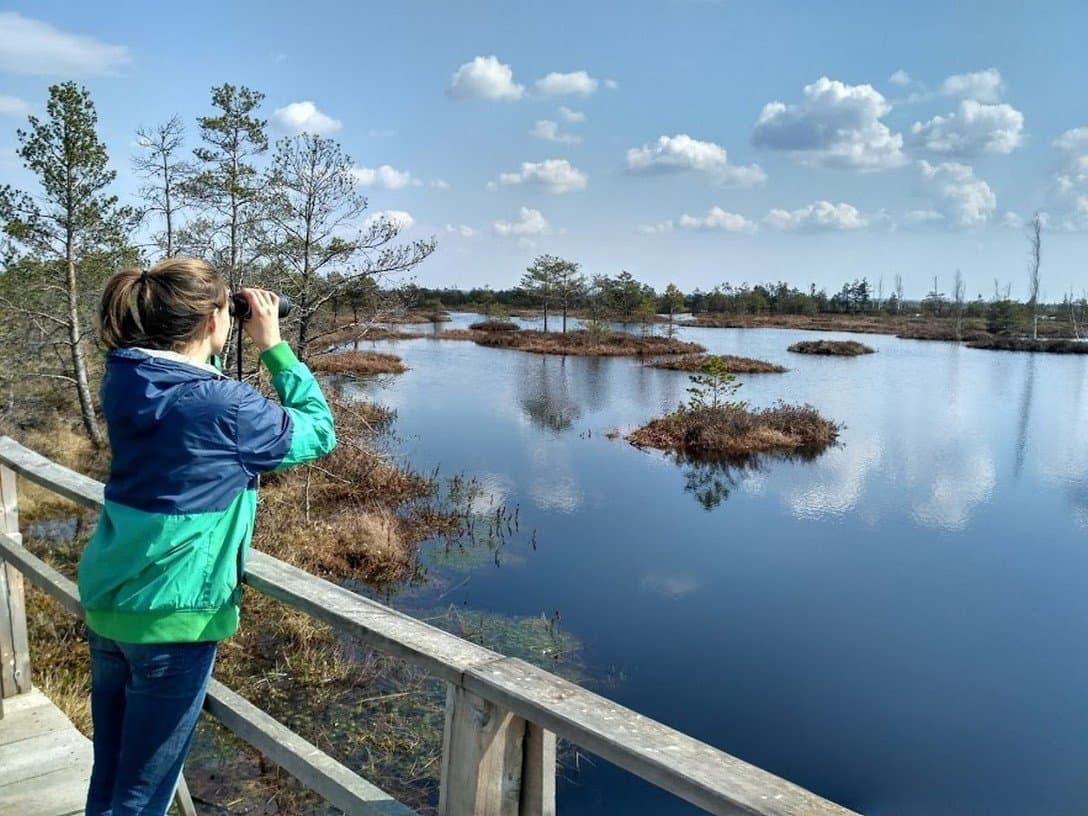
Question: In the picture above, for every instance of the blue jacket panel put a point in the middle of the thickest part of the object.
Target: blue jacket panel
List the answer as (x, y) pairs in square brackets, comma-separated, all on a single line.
[(204, 436)]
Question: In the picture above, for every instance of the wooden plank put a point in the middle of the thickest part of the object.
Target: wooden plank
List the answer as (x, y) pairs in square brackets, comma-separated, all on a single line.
[(45, 763), (538, 773), (40, 755), (183, 800), (46, 578), (7, 639), (438, 652), (35, 467), (14, 645), (482, 763), (693, 770), (54, 794), (303, 760), (20, 641), (34, 722)]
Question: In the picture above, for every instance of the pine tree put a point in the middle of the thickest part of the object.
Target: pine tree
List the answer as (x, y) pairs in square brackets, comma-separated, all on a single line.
[(72, 231)]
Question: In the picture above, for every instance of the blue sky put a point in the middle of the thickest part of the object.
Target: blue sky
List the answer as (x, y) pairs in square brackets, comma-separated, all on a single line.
[(687, 142)]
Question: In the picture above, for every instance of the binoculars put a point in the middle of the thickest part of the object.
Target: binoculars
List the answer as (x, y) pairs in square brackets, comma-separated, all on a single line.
[(239, 307)]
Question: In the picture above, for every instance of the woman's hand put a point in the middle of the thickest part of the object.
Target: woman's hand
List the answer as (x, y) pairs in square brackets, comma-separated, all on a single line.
[(263, 326)]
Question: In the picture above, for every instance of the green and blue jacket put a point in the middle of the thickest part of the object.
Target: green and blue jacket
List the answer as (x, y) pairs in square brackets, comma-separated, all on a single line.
[(165, 563)]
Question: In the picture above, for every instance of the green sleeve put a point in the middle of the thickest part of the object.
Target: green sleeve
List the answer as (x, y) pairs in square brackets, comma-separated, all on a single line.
[(312, 432)]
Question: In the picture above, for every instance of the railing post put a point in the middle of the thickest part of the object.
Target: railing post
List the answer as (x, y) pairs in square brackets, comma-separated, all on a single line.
[(493, 762), (14, 647)]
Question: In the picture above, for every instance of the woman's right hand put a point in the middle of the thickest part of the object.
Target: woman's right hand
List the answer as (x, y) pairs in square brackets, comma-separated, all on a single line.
[(263, 326)]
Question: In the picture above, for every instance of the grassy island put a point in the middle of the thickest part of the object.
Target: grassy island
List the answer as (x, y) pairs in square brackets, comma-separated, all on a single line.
[(495, 326), (711, 427), (838, 348), (587, 343), (357, 362), (733, 431), (732, 364), (1028, 344)]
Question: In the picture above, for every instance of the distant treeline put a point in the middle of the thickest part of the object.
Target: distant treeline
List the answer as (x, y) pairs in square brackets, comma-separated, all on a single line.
[(624, 297)]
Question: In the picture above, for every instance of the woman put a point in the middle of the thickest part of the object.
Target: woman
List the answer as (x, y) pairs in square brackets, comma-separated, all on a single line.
[(160, 579)]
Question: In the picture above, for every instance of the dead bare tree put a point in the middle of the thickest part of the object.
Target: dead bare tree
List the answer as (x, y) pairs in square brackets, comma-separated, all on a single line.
[(958, 291), (165, 175), (1035, 239), (898, 293)]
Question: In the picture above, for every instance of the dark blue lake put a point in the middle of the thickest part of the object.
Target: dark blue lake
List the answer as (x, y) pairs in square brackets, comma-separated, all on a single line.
[(899, 625)]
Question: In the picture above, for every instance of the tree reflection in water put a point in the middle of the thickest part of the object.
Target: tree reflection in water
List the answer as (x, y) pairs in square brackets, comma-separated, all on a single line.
[(711, 481), (544, 393)]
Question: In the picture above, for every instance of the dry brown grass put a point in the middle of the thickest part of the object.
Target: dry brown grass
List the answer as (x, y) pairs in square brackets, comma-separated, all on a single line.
[(458, 334), (1028, 344), (65, 442), (733, 432), (357, 362), (588, 344), (908, 327), (836, 348), (364, 333), (734, 365)]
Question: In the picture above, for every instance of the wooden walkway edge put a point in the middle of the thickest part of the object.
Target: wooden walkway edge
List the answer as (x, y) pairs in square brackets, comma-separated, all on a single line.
[(45, 763)]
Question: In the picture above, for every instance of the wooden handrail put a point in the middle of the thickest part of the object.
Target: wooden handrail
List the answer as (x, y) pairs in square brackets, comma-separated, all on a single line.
[(669, 759)]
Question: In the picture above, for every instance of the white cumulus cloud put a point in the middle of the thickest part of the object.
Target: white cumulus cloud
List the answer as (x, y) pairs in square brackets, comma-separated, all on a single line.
[(717, 219), (1068, 204), (398, 218), (957, 194), (836, 125), (32, 47), (13, 106), (972, 131), (985, 86), (571, 116), (485, 78), (554, 175), (900, 77), (385, 176), (530, 222), (681, 153), (818, 216), (304, 117), (576, 82), (463, 230), (549, 131)]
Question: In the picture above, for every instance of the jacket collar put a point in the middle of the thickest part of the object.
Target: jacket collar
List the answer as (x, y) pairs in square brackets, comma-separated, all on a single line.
[(172, 356)]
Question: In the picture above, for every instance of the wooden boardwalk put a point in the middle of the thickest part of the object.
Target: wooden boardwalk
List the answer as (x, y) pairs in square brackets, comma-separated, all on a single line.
[(45, 763)]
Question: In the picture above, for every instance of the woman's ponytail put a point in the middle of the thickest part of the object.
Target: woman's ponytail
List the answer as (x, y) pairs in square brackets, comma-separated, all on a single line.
[(164, 307)]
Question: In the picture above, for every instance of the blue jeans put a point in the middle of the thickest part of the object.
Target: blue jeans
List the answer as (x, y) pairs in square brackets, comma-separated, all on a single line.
[(145, 701)]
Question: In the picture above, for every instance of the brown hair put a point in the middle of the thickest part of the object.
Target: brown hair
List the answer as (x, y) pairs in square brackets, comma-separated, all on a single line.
[(164, 307)]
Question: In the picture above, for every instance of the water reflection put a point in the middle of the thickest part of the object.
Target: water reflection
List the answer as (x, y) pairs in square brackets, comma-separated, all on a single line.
[(712, 482), (876, 592), (544, 391), (1024, 415)]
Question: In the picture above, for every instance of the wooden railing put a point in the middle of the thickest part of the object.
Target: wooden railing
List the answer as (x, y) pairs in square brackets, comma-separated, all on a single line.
[(502, 714)]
